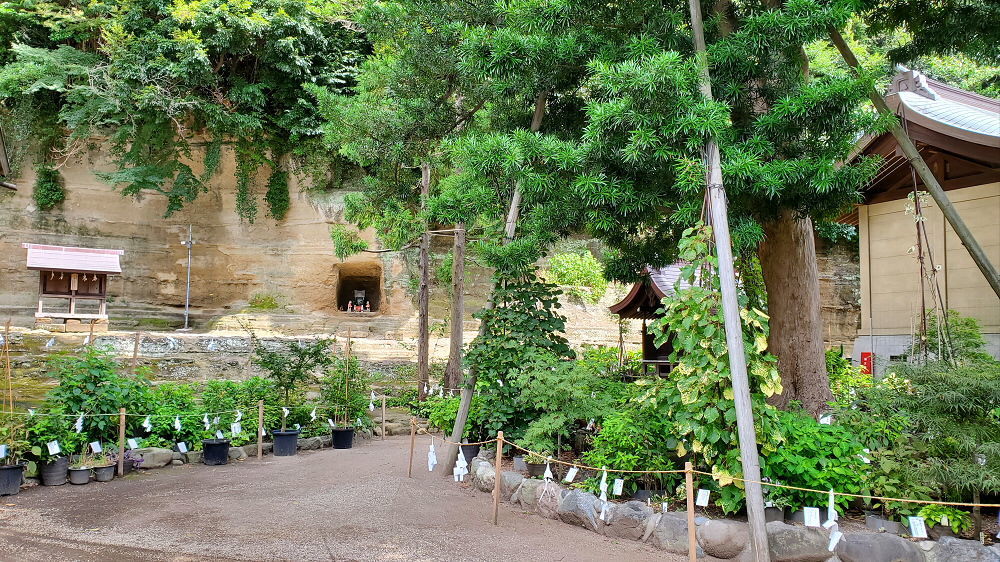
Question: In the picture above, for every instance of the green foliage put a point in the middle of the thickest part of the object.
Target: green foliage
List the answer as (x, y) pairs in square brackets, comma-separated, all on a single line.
[(955, 339), (166, 402), (155, 77), (57, 426), (813, 455), (959, 521), (91, 383), (355, 405), (227, 396), (277, 197), (14, 434), (523, 323), (580, 275), (346, 242), (697, 399), (264, 301), (442, 411), (290, 365), (845, 378), (632, 438), (49, 191)]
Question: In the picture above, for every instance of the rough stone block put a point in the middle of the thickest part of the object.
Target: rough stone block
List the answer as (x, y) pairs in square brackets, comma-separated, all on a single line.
[(723, 538), (192, 457), (869, 547), (309, 443), (951, 548), (509, 482), (484, 478), (628, 521), (790, 543), (237, 454), (176, 462), (548, 500), (670, 532), (876, 523), (154, 457), (580, 508)]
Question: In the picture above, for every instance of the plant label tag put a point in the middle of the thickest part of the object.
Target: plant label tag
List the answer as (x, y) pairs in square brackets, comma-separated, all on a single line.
[(811, 516), (147, 425), (3, 451), (571, 474), (826, 419), (616, 490), (182, 447), (768, 504), (298, 427), (219, 434), (834, 539), (215, 420), (371, 406), (236, 428), (864, 458), (918, 529), (373, 396), (95, 446), (53, 447), (132, 444), (945, 521), (702, 499), (31, 412), (664, 507), (329, 421)]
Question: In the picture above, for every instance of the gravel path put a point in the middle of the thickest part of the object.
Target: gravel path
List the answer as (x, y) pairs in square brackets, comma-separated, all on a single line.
[(352, 504)]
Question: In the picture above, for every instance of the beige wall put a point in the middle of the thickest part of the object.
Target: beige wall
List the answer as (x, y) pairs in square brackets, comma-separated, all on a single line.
[(890, 280)]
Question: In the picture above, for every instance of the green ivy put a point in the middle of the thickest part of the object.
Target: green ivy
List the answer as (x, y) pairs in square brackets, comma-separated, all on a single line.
[(49, 191), (277, 197)]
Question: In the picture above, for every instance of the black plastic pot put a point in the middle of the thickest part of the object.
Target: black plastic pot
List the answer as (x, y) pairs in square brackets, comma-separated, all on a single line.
[(343, 437), (104, 473), (645, 495), (79, 476), (285, 442), (10, 479), (215, 451), (535, 469), (128, 465), (470, 452), (54, 472)]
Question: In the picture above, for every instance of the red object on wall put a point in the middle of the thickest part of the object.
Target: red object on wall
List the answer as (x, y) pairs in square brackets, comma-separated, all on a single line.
[(867, 362)]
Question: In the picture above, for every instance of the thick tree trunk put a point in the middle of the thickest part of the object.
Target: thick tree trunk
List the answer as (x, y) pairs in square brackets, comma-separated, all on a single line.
[(453, 371), (791, 276), (423, 328)]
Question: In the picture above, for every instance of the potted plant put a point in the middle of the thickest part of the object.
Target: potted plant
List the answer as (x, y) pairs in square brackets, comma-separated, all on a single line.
[(49, 438), (290, 367), (129, 463), (104, 467), (536, 464), (13, 443), (79, 470), (346, 388), (215, 451)]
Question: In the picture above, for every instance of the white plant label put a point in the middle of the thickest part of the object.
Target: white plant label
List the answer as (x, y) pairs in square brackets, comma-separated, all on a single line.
[(236, 428), (571, 474), (945, 521), (177, 423), (284, 412), (95, 446), (132, 444), (826, 419), (78, 426), (834, 539), (590, 425), (811, 516), (219, 434), (664, 507), (298, 427), (182, 447), (918, 529), (3, 451), (617, 489), (864, 458), (768, 504), (329, 421), (53, 447), (702, 499), (312, 414), (500, 382), (371, 406)]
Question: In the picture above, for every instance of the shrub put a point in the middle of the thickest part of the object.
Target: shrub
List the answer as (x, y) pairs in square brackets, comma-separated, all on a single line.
[(580, 274), (264, 301), (845, 378), (633, 439), (291, 365), (49, 190), (168, 401), (358, 397)]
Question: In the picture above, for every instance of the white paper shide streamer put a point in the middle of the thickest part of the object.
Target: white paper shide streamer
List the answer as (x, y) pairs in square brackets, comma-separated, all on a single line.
[(461, 467), (284, 412), (432, 459), (205, 420), (177, 423), (78, 426), (604, 492), (312, 415), (147, 425), (548, 472)]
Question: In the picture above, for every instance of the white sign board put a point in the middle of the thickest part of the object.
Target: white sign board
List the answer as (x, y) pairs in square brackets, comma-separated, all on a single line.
[(95, 446), (182, 447), (702, 499), (811, 516), (132, 443), (918, 529)]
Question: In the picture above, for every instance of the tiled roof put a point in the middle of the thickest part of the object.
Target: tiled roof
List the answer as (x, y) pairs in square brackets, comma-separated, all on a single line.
[(67, 258), (665, 278)]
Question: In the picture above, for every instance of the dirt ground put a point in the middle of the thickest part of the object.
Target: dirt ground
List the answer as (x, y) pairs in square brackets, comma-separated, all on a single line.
[(352, 504)]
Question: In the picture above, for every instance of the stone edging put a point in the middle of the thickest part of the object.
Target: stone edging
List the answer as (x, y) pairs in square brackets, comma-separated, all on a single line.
[(718, 539)]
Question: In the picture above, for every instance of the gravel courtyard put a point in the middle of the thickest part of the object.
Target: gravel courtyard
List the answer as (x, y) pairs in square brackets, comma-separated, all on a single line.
[(352, 504)]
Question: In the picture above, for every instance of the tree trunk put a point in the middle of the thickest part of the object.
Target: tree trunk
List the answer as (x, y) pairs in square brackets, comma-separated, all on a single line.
[(791, 276), (453, 372), (423, 328)]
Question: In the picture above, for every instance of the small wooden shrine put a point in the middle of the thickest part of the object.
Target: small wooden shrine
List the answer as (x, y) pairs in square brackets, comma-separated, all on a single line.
[(641, 303), (77, 279)]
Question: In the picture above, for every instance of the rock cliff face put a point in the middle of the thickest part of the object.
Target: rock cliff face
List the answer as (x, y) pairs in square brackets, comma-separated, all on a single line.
[(840, 292)]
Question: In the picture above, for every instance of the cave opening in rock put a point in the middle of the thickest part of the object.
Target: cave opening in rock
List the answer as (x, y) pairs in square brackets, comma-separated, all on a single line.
[(360, 284)]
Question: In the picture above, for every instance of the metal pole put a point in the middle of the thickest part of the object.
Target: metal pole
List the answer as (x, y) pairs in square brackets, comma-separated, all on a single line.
[(187, 293), (731, 313), (926, 175)]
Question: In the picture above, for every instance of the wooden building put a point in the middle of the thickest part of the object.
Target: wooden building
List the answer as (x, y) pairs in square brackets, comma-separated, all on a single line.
[(641, 303), (75, 281), (958, 134)]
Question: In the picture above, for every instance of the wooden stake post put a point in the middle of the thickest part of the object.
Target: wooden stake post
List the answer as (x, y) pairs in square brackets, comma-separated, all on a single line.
[(413, 442), (260, 430), (692, 531), (347, 377), (135, 351), (496, 479), (731, 314), (121, 442), (383, 417), (5, 356)]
